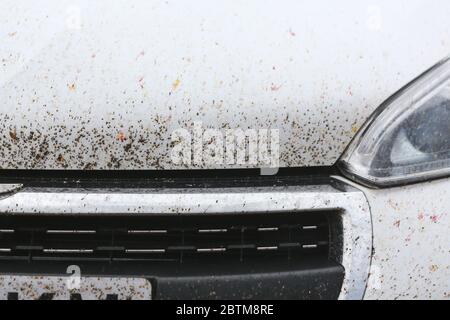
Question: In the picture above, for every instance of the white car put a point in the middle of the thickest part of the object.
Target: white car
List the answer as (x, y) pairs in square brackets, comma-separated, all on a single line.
[(224, 149)]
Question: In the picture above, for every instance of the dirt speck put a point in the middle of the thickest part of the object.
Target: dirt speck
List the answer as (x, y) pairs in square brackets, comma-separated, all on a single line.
[(141, 54), (141, 82)]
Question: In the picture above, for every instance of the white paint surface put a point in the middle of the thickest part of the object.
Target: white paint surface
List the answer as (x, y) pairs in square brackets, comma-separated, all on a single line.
[(102, 84)]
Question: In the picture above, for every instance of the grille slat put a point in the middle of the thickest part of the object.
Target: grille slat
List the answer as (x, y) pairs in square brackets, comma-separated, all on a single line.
[(238, 237)]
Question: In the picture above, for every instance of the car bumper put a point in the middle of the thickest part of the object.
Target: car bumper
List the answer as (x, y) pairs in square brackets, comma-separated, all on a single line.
[(394, 242), (347, 203)]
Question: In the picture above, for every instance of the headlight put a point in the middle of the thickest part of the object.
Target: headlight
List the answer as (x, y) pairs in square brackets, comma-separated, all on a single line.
[(408, 138)]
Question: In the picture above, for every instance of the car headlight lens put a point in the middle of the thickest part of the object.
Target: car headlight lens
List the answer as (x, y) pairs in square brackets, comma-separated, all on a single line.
[(408, 138)]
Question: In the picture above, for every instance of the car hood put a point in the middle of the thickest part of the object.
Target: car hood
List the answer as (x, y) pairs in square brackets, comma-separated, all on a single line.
[(103, 85)]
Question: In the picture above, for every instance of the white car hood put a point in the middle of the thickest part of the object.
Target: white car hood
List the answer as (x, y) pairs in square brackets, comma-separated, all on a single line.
[(103, 84)]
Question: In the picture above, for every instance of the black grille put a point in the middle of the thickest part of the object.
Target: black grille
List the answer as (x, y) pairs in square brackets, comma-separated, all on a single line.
[(174, 239)]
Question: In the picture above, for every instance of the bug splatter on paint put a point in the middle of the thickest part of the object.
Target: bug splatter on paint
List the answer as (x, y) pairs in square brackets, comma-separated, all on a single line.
[(121, 136), (434, 218), (275, 87), (13, 135), (176, 84), (434, 268)]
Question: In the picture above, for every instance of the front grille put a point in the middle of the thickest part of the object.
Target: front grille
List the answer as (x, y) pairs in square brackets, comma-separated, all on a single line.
[(274, 255), (171, 240)]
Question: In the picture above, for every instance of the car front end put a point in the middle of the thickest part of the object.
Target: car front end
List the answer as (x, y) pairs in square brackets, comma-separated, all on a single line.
[(174, 150)]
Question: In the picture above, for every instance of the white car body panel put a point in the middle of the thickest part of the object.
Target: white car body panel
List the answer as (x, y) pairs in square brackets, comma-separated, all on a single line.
[(411, 242), (102, 85)]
